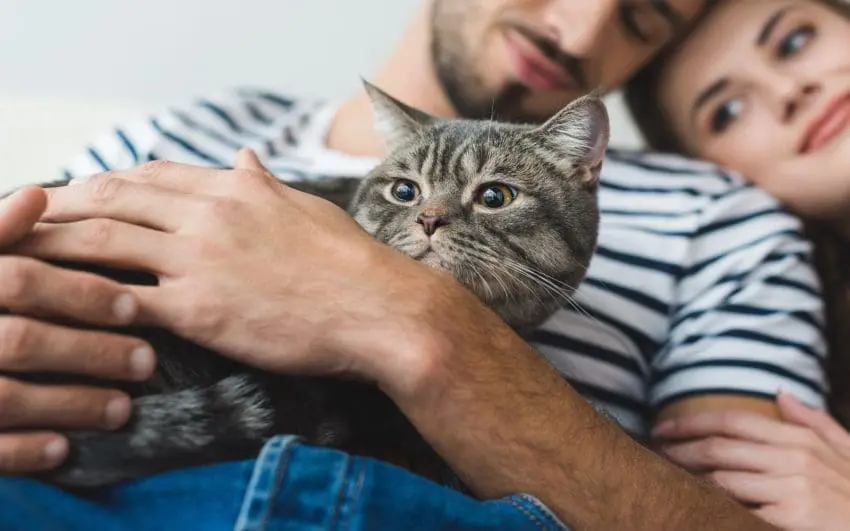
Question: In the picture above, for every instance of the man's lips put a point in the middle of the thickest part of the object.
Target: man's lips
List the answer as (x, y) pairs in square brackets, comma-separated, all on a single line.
[(533, 68), (829, 124)]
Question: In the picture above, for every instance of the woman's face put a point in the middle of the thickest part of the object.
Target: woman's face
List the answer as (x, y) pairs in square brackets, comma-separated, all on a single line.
[(763, 88)]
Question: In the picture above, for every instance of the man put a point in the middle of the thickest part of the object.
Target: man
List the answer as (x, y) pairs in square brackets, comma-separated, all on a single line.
[(700, 297)]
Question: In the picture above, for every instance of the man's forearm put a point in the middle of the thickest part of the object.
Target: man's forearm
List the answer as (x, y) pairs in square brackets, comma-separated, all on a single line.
[(508, 423)]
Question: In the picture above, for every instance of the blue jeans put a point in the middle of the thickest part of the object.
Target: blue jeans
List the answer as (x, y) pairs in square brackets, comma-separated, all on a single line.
[(290, 486)]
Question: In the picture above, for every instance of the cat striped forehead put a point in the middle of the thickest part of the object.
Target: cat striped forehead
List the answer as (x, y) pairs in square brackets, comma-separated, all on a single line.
[(456, 154), (573, 141)]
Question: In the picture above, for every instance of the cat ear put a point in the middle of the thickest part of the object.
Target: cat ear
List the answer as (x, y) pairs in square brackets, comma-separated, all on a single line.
[(394, 120), (582, 129)]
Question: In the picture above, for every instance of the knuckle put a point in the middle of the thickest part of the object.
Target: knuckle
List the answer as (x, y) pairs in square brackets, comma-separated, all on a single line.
[(797, 485), (714, 449), (104, 187), (152, 169), (7, 398), (97, 233), (201, 316), (802, 460), (730, 422), (223, 209), (15, 281), (14, 334)]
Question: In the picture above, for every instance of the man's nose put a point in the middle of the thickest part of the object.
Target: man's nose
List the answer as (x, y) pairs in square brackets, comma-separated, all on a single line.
[(578, 26)]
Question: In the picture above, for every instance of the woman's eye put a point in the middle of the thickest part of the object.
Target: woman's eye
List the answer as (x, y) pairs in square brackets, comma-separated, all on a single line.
[(495, 195), (795, 41), (405, 191), (725, 115)]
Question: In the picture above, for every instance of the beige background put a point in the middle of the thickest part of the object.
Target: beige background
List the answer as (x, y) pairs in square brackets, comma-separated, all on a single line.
[(71, 69)]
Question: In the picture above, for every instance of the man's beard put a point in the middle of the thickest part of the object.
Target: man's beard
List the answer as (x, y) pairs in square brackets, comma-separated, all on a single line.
[(457, 73)]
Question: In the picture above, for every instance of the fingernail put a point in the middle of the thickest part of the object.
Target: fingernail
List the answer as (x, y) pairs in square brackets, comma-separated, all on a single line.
[(117, 412), (55, 451), (664, 428), (142, 362), (125, 307)]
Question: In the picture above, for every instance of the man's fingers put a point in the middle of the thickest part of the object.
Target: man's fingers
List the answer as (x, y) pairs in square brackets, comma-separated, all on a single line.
[(108, 196), (717, 453), (752, 488), (733, 424), (19, 212), (28, 345), (101, 241), (31, 287), (25, 405), (23, 453), (166, 175)]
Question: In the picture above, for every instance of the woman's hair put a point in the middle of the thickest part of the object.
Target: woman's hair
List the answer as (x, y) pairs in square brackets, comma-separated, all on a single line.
[(832, 251)]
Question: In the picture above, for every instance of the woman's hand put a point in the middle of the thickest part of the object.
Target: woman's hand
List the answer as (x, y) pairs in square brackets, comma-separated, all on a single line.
[(247, 266), (27, 288), (795, 474)]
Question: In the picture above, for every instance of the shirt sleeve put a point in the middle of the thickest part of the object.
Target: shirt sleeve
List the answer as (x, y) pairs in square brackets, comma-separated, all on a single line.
[(205, 132), (748, 318)]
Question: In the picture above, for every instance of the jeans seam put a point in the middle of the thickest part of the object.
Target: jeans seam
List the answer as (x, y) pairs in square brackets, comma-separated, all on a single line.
[(545, 514), (347, 522), (341, 494), (275, 490), (524, 510), (244, 521)]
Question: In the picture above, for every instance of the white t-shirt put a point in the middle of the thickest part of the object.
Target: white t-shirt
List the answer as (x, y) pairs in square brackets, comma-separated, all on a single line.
[(701, 284)]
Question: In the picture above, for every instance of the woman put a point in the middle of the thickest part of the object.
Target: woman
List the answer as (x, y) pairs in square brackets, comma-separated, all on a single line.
[(763, 87)]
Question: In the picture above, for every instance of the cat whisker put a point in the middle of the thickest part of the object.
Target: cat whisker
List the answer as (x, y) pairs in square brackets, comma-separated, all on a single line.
[(556, 288), (513, 275), (465, 252)]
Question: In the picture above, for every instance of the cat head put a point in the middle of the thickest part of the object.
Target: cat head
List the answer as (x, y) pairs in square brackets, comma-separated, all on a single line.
[(509, 210)]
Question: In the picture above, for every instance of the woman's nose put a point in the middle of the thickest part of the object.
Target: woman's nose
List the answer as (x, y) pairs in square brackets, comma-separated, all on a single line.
[(796, 97)]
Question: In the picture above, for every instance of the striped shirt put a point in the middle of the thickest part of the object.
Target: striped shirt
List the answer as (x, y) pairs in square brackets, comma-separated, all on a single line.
[(701, 285)]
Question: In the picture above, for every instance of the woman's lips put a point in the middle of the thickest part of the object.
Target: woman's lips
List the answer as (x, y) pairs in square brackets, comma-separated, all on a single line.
[(828, 125)]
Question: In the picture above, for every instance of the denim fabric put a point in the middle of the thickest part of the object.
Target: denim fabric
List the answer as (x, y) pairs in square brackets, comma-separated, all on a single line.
[(290, 486)]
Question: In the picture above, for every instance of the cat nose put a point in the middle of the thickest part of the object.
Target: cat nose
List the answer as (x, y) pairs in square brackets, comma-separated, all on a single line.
[(430, 224)]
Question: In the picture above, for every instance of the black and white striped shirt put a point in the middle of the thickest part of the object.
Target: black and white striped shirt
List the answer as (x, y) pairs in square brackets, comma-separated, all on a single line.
[(701, 284)]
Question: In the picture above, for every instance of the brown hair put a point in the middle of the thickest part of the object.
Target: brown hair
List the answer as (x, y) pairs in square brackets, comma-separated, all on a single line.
[(832, 251)]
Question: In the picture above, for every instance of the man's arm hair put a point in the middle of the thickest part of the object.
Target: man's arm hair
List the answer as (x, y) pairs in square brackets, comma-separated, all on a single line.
[(507, 422)]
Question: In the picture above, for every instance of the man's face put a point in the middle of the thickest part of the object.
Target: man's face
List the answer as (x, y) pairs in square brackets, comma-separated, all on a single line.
[(523, 60)]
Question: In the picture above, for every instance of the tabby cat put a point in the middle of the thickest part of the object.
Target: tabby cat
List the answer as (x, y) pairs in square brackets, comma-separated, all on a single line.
[(509, 210)]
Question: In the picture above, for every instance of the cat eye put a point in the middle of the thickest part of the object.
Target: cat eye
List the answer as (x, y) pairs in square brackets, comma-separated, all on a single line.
[(495, 195), (404, 191)]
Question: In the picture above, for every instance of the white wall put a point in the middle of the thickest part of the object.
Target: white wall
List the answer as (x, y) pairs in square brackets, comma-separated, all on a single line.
[(70, 68)]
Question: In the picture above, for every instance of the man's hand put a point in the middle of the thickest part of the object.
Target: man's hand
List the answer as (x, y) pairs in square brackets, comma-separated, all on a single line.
[(254, 269), (289, 282), (795, 473), (29, 287)]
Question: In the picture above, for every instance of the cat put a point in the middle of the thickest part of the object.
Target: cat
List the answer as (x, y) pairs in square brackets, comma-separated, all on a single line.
[(509, 210)]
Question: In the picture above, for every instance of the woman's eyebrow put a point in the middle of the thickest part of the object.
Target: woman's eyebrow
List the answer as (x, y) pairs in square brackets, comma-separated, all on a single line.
[(707, 94), (770, 26)]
